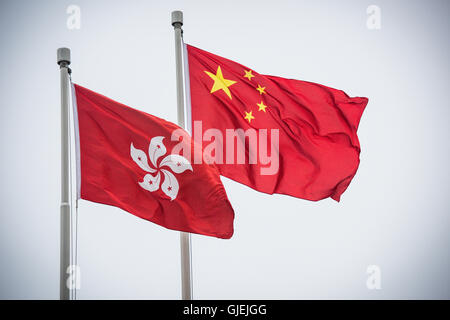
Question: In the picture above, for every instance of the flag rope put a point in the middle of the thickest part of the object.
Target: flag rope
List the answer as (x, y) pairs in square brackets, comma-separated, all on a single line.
[(73, 216)]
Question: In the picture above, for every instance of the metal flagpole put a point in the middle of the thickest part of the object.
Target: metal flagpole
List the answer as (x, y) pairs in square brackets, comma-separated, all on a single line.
[(63, 59), (185, 238)]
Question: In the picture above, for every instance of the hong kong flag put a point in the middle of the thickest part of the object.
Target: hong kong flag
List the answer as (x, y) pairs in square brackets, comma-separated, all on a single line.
[(273, 134), (141, 164)]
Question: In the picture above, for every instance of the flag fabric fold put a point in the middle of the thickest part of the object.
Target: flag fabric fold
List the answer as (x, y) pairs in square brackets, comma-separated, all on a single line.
[(317, 143), (142, 164)]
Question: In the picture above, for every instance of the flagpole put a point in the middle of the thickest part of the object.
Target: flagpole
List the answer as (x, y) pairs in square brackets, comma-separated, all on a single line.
[(63, 59), (185, 238)]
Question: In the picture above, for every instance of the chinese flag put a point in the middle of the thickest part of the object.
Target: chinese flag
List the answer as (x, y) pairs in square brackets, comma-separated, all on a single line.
[(128, 160), (317, 146)]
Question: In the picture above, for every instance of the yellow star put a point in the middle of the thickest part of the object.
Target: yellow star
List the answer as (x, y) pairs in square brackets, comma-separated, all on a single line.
[(261, 89), (248, 74), (249, 116), (262, 106), (220, 83)]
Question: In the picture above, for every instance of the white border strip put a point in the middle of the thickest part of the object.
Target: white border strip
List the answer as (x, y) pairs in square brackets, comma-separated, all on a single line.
[(187, 89), (77, 140)]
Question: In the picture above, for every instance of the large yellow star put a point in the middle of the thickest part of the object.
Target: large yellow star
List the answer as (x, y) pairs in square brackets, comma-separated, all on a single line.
[(220, 83), (262, 106), (249, 116), (248, 74), (261, 89)]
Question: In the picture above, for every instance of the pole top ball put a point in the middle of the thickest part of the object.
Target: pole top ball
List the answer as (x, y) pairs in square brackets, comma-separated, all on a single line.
[(63, 56), (177, 18)]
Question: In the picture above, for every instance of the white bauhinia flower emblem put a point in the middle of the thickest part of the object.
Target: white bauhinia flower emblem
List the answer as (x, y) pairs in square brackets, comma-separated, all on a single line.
[(175, 162)]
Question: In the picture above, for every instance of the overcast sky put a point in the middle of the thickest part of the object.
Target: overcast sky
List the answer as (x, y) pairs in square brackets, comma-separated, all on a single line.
[(394, 215)]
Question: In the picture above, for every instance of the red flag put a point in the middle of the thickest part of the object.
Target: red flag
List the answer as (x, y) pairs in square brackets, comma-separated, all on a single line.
[(317, 145), (131, 160)]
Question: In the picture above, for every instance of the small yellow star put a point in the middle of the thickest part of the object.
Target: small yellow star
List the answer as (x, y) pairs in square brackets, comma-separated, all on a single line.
[(248, 74), (249, 116), (261, 89), (262, 106), (220, 83)]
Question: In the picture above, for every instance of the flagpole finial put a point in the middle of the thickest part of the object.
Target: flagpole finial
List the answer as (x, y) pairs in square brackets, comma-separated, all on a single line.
[(63, 57), (177, 18)]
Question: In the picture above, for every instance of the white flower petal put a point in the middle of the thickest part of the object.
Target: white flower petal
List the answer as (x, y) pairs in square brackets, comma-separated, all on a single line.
[(140, 158), (170, 185), (151, 183), (177, 163), (156, 149)]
